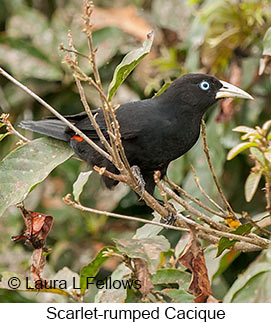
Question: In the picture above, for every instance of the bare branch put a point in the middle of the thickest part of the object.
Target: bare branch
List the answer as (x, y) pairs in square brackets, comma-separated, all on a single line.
[(199, 215), (67, 200), (197, 181), (255, 225), (4, 119), (206, 151), (190, 197), (57, 114)]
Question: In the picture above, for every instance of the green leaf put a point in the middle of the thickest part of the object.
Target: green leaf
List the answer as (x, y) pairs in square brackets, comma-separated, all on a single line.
[(79, 184), (14, 51), (267, 42), (239, 148), (251, 185), (27, 166), (147, 249), (128, 63), (243, 229), (149, 230), (163, 88), (114, 295), (225, 243), (252, 286), (172, 276), (192, 2), (3, 135), (88, 272), (258, 154), (225, 261), (177, 295)]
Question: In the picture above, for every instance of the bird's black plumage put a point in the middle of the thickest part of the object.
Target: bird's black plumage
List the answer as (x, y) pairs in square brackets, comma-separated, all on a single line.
[(154, 131)]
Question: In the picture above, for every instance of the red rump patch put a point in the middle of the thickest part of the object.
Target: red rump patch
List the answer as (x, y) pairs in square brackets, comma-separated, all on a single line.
[(78, 138)]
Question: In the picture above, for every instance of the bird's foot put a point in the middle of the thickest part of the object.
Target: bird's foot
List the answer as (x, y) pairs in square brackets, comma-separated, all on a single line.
[(140, 180), (171, 218)]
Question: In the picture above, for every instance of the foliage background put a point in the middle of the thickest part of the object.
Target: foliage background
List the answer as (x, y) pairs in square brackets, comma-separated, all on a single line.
[(190, 36)]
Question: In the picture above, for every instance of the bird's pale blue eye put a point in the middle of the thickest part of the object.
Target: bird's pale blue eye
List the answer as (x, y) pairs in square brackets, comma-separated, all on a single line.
[(204, 85)]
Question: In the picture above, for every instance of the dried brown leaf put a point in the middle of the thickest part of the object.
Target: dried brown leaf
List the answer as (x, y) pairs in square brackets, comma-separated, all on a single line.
[(125, 18), (143, 276), (38, 226), (193, 259)]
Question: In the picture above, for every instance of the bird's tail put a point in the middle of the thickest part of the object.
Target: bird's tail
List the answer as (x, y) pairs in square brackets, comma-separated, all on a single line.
[(50, 127)]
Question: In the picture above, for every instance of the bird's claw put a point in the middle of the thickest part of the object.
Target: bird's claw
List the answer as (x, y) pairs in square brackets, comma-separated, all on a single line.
[(140, 180), (170, 219)]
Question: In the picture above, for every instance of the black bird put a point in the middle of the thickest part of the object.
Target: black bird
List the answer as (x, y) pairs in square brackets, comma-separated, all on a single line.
[(154, 131)]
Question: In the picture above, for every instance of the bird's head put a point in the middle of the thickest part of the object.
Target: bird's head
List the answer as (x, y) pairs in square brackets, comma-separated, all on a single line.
[(202, 91)]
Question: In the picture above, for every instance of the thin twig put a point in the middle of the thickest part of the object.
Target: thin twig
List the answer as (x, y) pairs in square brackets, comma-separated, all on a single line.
[(67, 200), (74, 51), (206, 151), (197, 181), (4, 119), (255, 225), (239, 246), (190, 197), (148, 198), (57, 114), (261, 242), (217, 232), (200, 216), (84, 100), (109, 113)]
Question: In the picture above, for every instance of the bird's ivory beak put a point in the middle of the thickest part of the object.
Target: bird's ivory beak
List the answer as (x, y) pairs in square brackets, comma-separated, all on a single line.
[(230, 91)]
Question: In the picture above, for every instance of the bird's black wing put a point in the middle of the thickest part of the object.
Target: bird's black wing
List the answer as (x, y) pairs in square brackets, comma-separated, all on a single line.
[(82, 122)]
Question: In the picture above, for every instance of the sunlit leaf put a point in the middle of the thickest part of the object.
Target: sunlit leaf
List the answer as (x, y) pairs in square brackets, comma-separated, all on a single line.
[(244, 129), (267, 42), (128, 63), (239, 148), (149, 230), (250, 135), (163, 88), (267, 155), (267, 125), (251, 185), (79, 184), (3, 135), (258, 154), (27, 166)]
